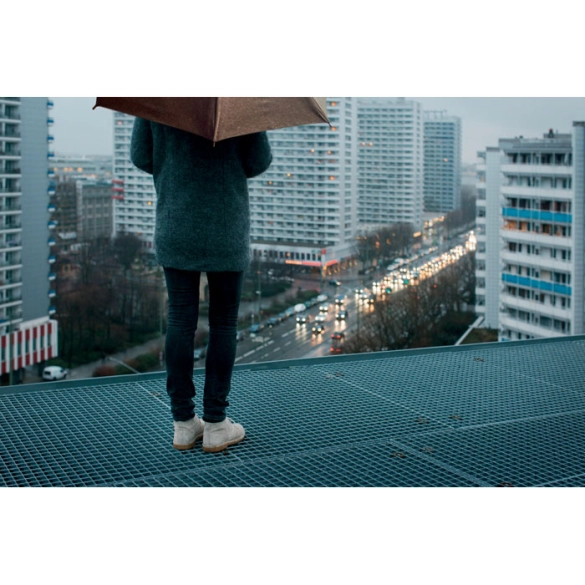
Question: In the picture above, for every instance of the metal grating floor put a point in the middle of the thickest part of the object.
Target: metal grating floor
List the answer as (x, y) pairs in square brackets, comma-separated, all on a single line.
[(508, 414)]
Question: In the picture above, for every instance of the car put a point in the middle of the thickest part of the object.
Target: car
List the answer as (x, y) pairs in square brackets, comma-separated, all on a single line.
[(341, 316), (324, 308), (301, 319), (241, 335), (359, 291), (54, 373), (200, 353), (290, 311), (318, 328), (339, 300), (371, 299), (334, 283), (338, 335), (320, 318), (254, 329), (273, 321)]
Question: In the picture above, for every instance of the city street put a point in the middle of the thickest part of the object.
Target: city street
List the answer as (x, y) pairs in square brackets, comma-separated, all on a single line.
[(289, 340)]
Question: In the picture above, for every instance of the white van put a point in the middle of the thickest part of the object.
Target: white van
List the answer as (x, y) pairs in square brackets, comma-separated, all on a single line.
[(54, 373)]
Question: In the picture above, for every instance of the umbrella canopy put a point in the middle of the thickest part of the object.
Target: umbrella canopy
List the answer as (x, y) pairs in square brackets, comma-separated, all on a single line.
[(218, 118)]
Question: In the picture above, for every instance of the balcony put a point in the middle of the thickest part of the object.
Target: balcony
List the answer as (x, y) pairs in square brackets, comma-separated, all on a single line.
[(498, 414), (537, 284)]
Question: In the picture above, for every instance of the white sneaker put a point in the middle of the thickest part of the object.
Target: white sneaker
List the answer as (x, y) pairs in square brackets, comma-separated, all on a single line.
[(219, 436), (187, 433)]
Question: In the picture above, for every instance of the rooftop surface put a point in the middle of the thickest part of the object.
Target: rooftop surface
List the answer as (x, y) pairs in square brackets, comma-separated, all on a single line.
[(495, 414)]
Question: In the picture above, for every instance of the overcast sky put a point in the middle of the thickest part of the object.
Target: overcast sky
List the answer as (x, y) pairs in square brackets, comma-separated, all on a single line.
[(80, 130)]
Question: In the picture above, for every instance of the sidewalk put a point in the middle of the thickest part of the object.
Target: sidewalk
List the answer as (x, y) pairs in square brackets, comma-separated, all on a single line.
[(86, 370)]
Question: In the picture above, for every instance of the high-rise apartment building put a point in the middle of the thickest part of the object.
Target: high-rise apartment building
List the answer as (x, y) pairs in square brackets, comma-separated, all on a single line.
[(27, 335), (325, 183), (303, 208), (133, 191), (389, 164), (442, 162), (541, 237)]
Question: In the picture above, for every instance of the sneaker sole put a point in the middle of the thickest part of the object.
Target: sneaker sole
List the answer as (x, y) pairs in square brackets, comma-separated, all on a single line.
[(187, 446), (218, 448)]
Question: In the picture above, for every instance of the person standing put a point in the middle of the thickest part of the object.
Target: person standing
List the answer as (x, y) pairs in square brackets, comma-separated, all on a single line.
[(202, 225)]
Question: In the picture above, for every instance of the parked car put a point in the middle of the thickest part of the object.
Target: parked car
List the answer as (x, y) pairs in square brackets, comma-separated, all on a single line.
[(199, 353), (273, 321), (241, 335), (54, 373), (254, 329)]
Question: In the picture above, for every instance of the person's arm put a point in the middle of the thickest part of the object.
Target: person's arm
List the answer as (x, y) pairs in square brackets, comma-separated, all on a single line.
[(141, 146), (256, 154)]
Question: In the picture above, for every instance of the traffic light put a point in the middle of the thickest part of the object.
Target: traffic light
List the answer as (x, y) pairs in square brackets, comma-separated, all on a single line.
[(388, 290), (405, 281)]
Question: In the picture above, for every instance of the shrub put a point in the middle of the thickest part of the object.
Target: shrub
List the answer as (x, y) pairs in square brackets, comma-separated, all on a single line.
[(101, 371)]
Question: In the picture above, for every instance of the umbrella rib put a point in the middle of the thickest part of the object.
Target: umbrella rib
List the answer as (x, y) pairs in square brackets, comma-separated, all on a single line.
[(216, 120)]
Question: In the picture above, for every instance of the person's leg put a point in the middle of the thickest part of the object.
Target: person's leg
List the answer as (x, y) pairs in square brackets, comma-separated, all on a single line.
[(224, 300), (183, 291)]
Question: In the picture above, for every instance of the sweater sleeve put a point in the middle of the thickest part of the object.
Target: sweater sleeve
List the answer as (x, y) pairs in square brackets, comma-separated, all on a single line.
[(142, 145), (256, 154)]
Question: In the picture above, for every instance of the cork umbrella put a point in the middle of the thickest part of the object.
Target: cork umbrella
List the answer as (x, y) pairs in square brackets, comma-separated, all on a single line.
[(218, 118)]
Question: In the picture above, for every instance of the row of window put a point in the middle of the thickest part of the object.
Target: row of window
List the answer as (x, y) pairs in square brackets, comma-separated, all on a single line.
[(545, 252), (563, 231)]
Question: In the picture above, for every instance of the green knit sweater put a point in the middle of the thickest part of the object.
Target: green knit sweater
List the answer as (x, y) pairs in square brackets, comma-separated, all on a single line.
[(202, 207)]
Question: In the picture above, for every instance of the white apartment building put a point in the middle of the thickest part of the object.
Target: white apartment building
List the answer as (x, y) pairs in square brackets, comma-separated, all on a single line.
[(27, 334), (303, 208), (389, 163), (133, 192), (541, 236), (442, 162)]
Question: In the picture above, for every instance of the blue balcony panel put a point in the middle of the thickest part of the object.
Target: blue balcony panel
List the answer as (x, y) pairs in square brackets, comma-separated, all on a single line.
[(542, 285), (536, 215)]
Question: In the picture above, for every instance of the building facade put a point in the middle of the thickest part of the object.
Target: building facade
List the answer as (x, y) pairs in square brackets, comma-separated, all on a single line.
[(389, 164), (133, 193), (442, 162), (27, 334), (95, 205), (541, 235), (488, 225), (303, 208), (91, 167)]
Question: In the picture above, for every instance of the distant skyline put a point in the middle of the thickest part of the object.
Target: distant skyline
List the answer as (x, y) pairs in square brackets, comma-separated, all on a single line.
[(80, 130)]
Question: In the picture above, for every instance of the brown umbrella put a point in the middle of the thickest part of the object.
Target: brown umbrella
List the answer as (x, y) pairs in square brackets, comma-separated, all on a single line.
[(218, 118)]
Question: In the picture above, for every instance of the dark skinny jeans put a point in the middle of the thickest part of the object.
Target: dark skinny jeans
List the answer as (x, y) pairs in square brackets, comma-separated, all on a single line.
[(224, 300)]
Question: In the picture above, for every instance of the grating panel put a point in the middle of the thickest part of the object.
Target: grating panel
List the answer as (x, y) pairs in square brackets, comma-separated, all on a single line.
[(493, 414), (382, 466)]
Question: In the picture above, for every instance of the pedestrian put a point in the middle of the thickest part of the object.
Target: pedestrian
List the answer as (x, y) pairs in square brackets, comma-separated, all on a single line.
[(202, 225)]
